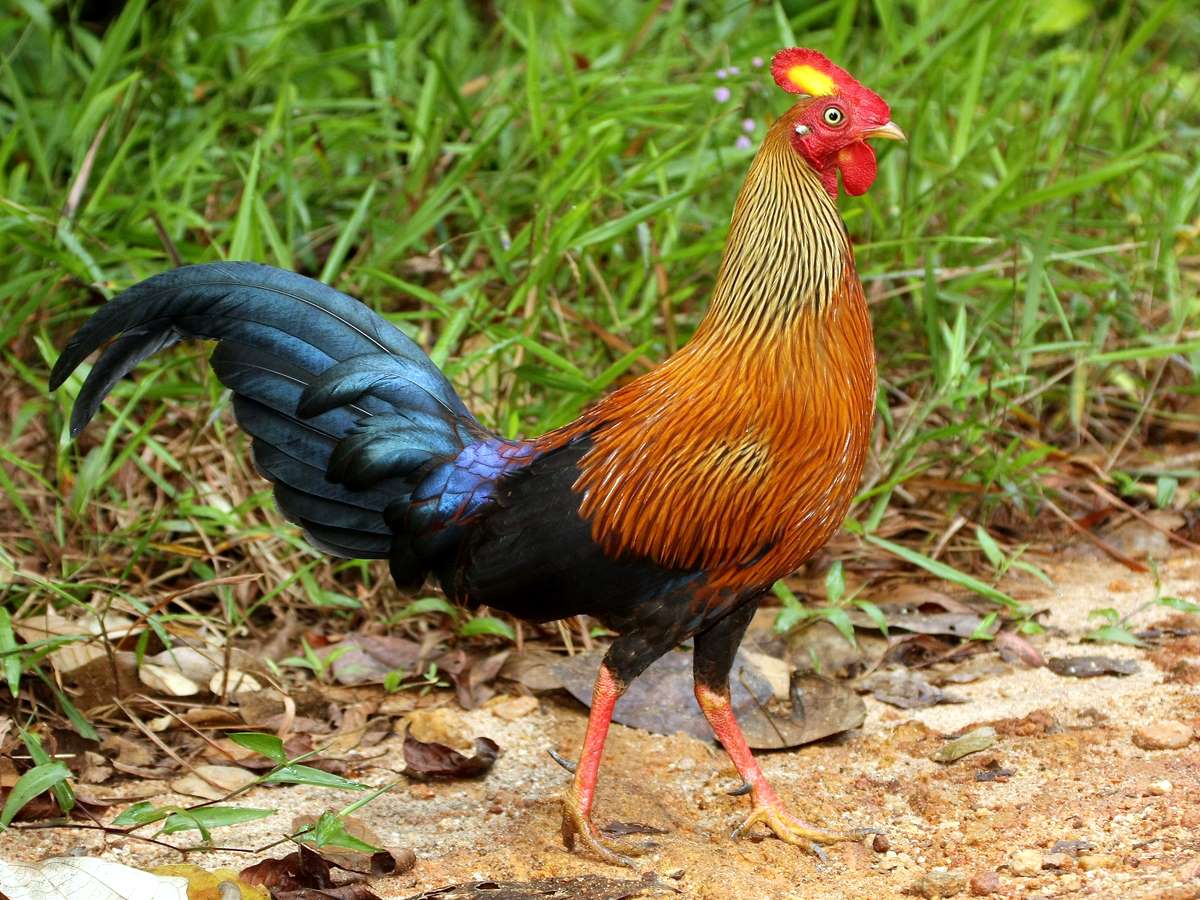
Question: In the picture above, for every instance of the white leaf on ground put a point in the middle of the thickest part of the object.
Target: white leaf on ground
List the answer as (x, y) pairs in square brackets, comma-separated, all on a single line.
[(167, 681), (85, 878)]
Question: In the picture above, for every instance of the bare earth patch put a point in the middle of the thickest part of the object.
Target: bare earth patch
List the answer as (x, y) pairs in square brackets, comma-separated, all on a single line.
[(1131, 816)]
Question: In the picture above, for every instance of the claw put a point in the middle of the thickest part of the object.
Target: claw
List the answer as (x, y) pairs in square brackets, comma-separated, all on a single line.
[(788, 828), (562, 760), (577, 825)]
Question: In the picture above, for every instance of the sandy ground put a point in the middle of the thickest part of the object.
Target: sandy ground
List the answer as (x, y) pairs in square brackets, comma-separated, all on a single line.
[(1077, 776)]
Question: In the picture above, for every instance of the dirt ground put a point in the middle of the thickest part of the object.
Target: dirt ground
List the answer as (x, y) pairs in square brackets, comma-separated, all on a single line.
[(1077, 776)]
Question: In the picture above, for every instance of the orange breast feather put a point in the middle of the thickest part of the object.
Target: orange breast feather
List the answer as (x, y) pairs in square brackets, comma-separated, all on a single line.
[(741, 458)]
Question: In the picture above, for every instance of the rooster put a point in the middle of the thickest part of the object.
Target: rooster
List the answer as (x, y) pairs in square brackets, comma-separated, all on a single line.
[(665, 511)]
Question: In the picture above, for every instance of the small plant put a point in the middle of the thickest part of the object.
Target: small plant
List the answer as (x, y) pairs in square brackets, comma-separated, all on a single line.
[(320, 665), (834, 611), (1114, 628)]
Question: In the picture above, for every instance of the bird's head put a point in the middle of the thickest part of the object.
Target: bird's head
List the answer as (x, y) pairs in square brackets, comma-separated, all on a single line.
[(831, 126)]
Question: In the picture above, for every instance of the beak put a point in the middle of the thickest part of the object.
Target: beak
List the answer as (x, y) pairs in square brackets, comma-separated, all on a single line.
[(889, 132)]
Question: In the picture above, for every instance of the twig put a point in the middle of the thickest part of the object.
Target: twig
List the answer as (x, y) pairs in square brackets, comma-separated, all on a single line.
[(1104, 545)]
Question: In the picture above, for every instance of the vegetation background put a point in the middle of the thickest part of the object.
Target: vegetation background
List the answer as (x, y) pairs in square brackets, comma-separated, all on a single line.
[(538, 192)]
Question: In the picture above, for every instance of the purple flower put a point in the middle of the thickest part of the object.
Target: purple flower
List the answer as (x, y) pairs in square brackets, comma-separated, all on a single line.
[(749, 125), (734, 70), (743, 142), (722, 94), (757, 62), (721, 73)]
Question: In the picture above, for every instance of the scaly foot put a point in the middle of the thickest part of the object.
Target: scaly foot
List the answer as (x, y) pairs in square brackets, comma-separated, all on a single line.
[(770, 812), (577, 824)]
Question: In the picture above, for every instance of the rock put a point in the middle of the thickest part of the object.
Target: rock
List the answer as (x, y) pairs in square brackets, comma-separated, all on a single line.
[(1089, 862), (440, 726), (1167, 734), (971, 742), (1058, 862), (511, 708), (984, 884), (1160, 788), (1026, 863), (939, 883), (1070, 883)]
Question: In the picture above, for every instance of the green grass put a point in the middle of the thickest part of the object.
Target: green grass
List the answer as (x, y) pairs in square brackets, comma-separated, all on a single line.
[(540, 198)]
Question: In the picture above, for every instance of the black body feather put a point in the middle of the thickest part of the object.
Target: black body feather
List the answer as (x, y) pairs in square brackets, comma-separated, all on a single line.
[(373, 454)]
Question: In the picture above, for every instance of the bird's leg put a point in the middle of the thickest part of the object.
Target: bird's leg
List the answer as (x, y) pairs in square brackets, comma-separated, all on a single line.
[(577, 804), (712, 660), (768, 808)]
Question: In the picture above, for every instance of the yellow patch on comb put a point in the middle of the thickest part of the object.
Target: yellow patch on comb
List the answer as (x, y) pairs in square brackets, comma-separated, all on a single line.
[(811, 81)]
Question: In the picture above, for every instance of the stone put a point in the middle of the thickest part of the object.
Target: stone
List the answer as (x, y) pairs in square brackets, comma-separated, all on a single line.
[(1167, 734), (1090, 862), (1026, 863), (984, 884), (939, 883), (1160, 788)]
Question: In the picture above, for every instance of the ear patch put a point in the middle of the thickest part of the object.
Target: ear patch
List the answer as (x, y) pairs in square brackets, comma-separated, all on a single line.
[(807, 80)]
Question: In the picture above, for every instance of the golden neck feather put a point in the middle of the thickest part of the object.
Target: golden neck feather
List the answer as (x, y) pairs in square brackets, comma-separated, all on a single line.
[(786, 251)]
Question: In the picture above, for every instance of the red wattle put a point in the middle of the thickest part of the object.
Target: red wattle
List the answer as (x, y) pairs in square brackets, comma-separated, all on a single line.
[(856, 162)]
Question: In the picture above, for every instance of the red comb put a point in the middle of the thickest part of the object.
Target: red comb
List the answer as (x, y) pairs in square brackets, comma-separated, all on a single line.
[(799, 70)]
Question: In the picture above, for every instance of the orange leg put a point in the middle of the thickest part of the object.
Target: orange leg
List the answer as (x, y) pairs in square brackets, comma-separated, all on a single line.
[(577, 804), (768, 808)]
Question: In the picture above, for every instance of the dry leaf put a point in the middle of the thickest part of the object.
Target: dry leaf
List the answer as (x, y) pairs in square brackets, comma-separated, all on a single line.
[(167, 681), (235, 681), (130, 753), (212, 782), (429, 761), (85, 878)]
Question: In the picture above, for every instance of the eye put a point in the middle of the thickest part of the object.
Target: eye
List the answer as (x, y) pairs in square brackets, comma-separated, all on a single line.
[(834, 117)]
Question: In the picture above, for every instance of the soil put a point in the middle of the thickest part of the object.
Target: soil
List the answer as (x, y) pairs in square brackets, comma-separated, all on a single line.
[(1076, 776)]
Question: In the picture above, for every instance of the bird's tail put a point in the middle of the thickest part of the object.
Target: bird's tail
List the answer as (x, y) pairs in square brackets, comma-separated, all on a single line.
[(346, 413)]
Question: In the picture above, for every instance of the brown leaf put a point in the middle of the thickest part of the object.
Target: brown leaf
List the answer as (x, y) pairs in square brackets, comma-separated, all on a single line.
[(428, 761), (385, 861), (212, 782), (579, 887), (301, 869), (355, 891), (472, 675), (1012, 646)]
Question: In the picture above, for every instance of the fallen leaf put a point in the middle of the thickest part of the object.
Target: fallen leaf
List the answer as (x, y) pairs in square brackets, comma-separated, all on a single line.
[(1013, 646), (233, 681), (85, 878), (95, 768), (384, 861), (620, 829), (366, 658), (472, 675), (1090, 666), (971, 742), (662, 700), (167, 681), (204, 884), (212, 782), (906, 689), (198, 665), (579, 887), (303, 875), (428, 761), (130, 753)]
